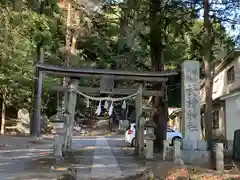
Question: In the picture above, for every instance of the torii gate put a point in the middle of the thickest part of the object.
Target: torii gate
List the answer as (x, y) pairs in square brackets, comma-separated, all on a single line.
[(99, 73)]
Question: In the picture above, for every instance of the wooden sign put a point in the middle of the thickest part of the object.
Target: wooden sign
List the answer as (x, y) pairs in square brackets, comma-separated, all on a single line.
[(107, 84)]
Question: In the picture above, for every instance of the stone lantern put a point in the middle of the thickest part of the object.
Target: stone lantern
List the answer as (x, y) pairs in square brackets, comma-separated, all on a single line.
[(149, 137)]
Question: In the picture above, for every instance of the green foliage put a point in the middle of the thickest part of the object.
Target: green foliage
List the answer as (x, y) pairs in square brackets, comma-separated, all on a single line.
[(119, 33), (20, 33)]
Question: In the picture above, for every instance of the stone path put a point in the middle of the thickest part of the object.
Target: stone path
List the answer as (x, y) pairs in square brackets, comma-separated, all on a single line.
[(84, 152), (96, 158), (104, 162), (104, 157)]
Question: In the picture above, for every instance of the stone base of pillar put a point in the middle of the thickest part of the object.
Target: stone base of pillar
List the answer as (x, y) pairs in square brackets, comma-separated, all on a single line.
[(57, 146), (219, 157), (149, 150)]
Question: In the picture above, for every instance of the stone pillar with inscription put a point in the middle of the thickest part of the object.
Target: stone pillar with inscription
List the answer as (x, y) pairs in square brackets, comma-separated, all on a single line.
[(191, 101)]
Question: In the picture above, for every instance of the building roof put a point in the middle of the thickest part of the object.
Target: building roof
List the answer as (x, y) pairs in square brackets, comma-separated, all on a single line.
[(230, 95)]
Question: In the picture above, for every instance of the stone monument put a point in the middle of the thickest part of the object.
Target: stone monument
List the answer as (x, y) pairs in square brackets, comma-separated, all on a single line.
[(23, 121), (23, 116), (191, 101)]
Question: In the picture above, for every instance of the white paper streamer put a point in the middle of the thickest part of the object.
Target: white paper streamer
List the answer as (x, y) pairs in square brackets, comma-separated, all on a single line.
[(124, 105), (110, 111), (87, 103), (98, 111), (106, 104)]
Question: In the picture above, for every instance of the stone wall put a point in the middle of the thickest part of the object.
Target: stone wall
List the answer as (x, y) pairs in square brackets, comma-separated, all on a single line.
[(190, 152), (195, 152)]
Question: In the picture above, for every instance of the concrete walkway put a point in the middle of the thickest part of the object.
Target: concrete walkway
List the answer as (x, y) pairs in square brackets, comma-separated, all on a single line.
[(104, 162), (104, 158), (95, 158)]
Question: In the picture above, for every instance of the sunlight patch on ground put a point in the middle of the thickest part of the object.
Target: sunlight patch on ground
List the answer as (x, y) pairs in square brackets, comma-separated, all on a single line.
[(59, 168), (83, 167), (104, 165), (24, 150), (89, 147), (2, 164), (102, 147), (28, 155)]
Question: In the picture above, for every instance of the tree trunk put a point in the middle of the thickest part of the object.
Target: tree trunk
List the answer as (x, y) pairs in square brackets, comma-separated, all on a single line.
[(71, 110), (36, 121), (208, 67), (156, 44), (207, 59), (123, 49), (4, 92), (73, 43), (68, 52), (78, 15)]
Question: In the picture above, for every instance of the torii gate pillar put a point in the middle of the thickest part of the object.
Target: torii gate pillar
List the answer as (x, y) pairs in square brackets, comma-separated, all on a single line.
[(139, 145)]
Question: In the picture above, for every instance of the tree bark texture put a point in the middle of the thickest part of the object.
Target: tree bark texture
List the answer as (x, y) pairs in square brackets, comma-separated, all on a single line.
[(208, 40), (207, 59), (156, 44), (68, 52), (4, 93), (36, 121), (72, 35)]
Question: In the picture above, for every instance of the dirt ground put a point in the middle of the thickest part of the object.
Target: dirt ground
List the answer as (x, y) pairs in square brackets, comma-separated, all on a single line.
[(167, 171)]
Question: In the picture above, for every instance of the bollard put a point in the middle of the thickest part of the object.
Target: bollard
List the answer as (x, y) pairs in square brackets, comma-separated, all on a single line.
[(165, 150), (57, 146), (177, 153), (219, 157)]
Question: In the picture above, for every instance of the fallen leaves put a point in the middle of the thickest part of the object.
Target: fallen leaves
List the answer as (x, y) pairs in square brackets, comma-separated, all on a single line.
[(185, 174)]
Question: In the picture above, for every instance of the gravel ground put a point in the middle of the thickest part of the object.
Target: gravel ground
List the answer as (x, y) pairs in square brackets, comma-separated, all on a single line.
[(18, 157)]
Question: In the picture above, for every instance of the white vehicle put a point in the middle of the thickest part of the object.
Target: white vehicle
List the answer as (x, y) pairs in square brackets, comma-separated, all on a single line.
[(172, 135)]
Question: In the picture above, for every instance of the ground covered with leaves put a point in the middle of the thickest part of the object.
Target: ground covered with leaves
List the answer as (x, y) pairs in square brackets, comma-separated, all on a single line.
[(183, 174)]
